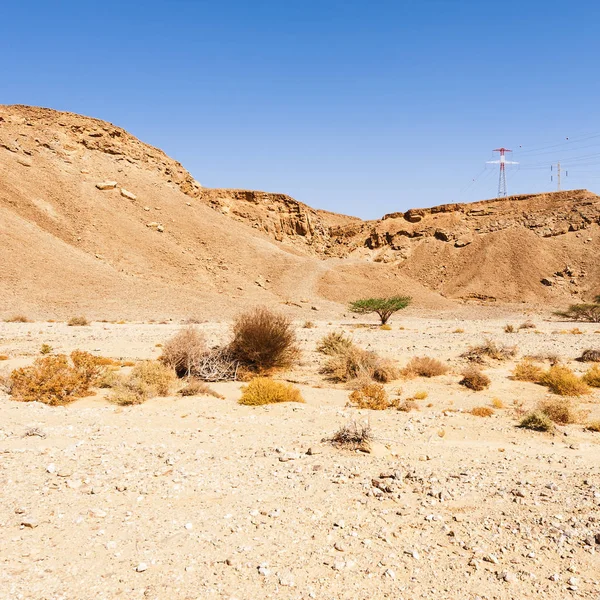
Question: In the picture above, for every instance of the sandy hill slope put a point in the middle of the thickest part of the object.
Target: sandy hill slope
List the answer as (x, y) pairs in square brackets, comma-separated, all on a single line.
[(93, 220)]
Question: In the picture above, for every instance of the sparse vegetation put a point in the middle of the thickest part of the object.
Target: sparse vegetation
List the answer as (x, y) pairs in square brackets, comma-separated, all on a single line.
[(509, 328), (424, 366), (482, 411), (562, 381), (489, 349), (80, 321), (459, 330), (45, 349), (527, 325), (184, 351), (308, 325), (385, 327), (264, 340), (55, 380), (497, 403), (408, 405), (592, 377), (155, 376), (527, 370), (587, 312), (354, 363), (372, 396), (195, 387), (17, 319), (420, 396), (353, 435), (593, 426), (384, 307), (263, 390), (474, 379), (3, 356), (537, 421)]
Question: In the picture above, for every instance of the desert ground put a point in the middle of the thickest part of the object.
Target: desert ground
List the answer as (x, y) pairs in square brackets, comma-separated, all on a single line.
[(201, 497)]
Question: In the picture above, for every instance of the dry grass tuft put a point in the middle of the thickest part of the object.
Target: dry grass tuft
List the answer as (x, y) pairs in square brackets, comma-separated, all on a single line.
[(373, 397), (195, 387), (560, 411), (385, 327), (497, 403), (424, 366), (17, 319), (262, 390), (509, 328), (562, 381), (550, 357), (527, 370), (78, 322), (590, 355), (153, 375), (56, 380), (592, 376), (489, 349), (420, 396), (458, 330), (474, 379), (3, 356), (408, 406), (355, 363), (353, 435), (183, 351), (309, 325), (334, 343), (537, 421), (264, 340), (527, 325), (46, 349), (482, 411)]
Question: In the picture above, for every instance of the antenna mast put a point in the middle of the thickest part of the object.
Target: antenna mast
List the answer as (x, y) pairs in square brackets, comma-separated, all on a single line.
[(502, 193)]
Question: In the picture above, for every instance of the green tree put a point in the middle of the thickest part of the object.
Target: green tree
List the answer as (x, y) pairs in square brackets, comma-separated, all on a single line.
[(384, 307)]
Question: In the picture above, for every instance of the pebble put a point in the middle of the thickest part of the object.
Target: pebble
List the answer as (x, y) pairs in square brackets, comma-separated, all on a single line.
[(141, 567), (51, 468)]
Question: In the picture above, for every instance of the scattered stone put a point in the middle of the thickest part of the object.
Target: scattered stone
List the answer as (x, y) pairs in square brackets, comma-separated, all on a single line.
[(106, 185), (141, 567), (30, 523), (126, 194)]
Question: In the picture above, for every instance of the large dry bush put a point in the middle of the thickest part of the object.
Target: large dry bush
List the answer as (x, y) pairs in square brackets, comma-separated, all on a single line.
[(264, 340), (482, 411), (56, 380), (562, 381), (17, 319), (560, 411), (424, 366), (334, 343), (474, 379), (372, 396), (489, 349), (80, 321), (148, 379), (527, 370), (592, 376), (590, 355), (537, 421), (356, 363), (353, 435), (262, 390), (183, 351)]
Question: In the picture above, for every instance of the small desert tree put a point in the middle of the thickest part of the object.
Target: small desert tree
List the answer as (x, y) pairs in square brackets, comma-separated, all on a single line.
[(384, 307), (582, 312)]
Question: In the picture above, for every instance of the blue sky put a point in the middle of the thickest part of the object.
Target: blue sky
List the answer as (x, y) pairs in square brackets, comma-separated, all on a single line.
[(356, 107)]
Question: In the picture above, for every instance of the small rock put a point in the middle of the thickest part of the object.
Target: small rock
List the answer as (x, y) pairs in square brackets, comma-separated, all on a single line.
[(126, 194), (106, 185), (339, 547), (30, 523), (51, 468), (491, 558), (141, 567)]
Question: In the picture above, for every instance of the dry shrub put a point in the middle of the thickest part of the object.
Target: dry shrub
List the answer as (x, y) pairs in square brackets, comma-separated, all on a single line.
[(153, 375), (482, 411), (497, 403), (559, 411), (424, 366), (3, 356), (264, 340), (219, 365), (551, 357), (593, 426), (592, 376), (262, 390), (17, 319), (474, 379), (385, 327), (459, 330), (55, 380), (489, 349), (308, 325), (420, 396), (195, 387), (562, 381), (110, 379), (526, 370), (78, 322), (353, 435), (509, 329), (183, 351), (355, 363), (129, 392), (527, 325), (45, 349), (537, 421), (334, 343), (408, 406), (590, 355), (373, 397)]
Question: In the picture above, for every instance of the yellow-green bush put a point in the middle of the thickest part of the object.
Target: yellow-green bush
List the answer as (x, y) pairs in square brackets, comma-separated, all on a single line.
[(263, 390), (373, 397), (562, 381), (592, 377)]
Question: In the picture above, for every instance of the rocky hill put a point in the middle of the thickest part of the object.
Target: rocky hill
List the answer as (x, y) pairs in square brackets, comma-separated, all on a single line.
[(96, 221)]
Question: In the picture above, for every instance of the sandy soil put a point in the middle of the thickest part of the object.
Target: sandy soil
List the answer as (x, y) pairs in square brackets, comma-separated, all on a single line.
[(204, 498)]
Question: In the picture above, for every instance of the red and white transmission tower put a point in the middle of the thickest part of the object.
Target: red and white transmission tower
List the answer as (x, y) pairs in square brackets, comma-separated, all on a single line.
[(502, 162)]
